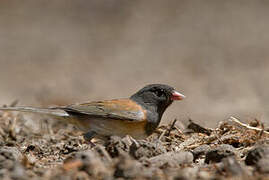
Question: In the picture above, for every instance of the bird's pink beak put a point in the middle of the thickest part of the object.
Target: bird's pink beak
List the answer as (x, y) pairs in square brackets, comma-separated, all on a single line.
[(177, 96)]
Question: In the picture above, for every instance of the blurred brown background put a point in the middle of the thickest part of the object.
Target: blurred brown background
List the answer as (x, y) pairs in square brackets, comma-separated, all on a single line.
[(65, 51)]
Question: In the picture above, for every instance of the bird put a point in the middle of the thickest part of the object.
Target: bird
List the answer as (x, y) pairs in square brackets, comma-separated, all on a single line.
[(137, 116)]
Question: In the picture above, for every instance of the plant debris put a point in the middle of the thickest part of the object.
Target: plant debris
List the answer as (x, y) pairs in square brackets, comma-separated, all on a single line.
[(231, 150)]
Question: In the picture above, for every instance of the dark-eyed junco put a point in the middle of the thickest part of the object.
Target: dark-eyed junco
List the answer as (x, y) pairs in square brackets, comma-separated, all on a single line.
[(137, 116)]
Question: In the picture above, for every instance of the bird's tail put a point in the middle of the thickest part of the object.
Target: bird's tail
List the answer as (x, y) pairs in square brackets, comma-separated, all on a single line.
[(48, 111)]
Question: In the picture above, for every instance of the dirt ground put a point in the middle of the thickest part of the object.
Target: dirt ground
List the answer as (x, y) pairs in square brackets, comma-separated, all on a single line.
[(232, 150)]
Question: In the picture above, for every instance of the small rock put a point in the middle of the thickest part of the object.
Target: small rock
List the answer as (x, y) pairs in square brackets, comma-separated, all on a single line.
[(7, 164), (254, 155), (116, 145), (263, 165), (204, 175), (89, 162), (200, 150), (92, 164), (9, 160), (232, 167), (11, 153), (184, 173), (172, 159), (81, 175), (189, 172), (146, 149), (231, 139), (220, 152), (8, 157), (259, 157), (4, 173), (18, 172), (127, 168)]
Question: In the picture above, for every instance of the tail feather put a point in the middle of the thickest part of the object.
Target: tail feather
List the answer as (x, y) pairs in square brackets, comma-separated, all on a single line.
[(49, 111)]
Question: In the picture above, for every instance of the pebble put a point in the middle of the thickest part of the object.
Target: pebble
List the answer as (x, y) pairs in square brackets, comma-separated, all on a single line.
[(218, 153)]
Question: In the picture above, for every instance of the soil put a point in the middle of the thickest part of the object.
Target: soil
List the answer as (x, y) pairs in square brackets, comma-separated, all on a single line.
[(58, 151)]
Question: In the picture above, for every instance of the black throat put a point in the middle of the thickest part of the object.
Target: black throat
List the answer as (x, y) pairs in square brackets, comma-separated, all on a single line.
[(154, 112)]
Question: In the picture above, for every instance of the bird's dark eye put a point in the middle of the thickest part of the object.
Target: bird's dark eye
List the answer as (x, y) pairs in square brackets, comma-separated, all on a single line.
[(159, 93)]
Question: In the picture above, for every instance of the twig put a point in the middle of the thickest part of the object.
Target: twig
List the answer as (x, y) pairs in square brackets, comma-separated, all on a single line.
[(160, 137), (247, 126), (178, 130), (171, 127), (198, 129), (215, 134)]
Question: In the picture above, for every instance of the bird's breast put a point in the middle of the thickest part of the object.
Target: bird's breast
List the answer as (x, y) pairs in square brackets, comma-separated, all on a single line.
[(109, 127)]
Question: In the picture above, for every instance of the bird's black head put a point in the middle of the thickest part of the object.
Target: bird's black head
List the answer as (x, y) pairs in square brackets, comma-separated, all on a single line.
[(156, 97)]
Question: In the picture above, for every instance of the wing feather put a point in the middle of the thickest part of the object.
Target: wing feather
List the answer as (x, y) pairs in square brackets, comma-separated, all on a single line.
[(120, 109)]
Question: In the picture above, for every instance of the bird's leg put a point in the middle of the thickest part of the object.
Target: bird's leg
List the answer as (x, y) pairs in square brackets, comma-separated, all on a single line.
[(88, 137)]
